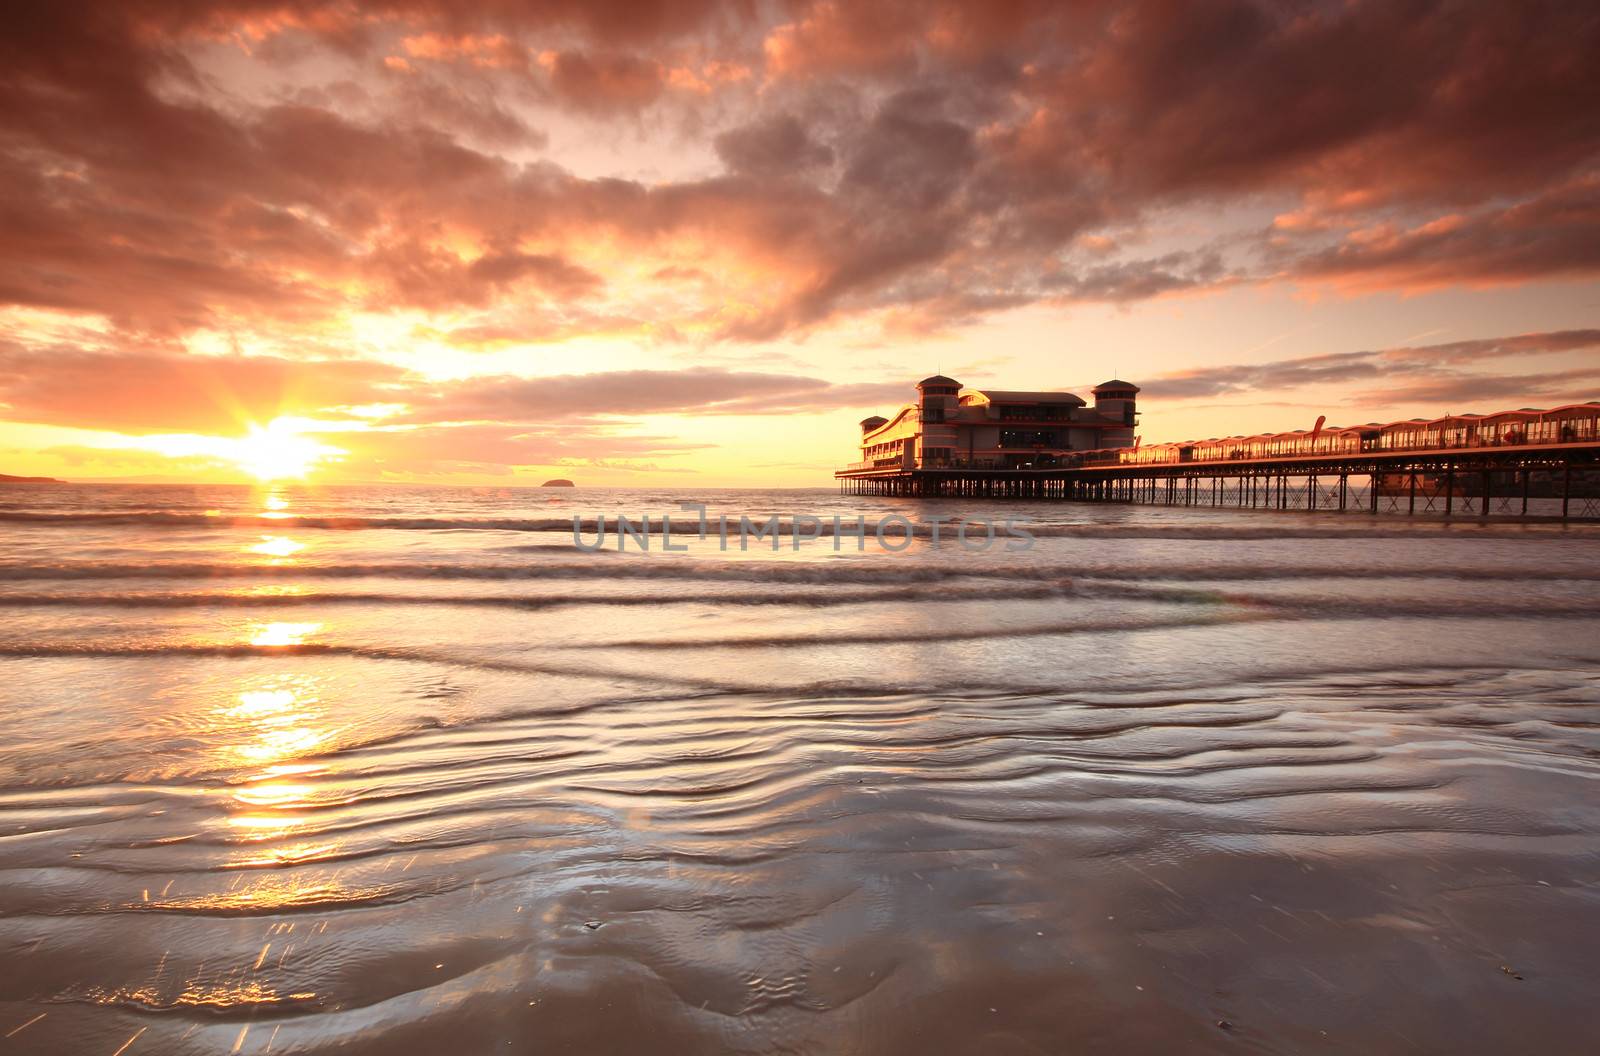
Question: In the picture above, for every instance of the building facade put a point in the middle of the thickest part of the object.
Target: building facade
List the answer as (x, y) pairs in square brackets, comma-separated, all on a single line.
[(951, 427)]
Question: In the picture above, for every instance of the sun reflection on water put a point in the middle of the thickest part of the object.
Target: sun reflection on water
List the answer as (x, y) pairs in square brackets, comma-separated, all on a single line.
[(279, 719), (276, 744), (273, 795), (293, 854), (273, 634), (275, 590), (275, 506), (280, 722), (276, 546)]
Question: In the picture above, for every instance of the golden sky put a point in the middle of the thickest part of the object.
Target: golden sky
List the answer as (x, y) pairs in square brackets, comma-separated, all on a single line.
[(694, 243)]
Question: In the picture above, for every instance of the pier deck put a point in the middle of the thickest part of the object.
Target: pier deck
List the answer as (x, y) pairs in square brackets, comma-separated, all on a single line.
[(1559, 481)]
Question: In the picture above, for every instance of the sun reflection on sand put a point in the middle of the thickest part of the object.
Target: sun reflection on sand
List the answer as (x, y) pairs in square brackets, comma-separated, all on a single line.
[(202, 994)]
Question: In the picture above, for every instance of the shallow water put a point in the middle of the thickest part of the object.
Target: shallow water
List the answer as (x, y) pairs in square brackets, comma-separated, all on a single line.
[(400, 770)]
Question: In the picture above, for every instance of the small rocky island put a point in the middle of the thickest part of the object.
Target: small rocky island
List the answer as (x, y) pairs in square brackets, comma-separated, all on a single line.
[(6, 478), (559, 482)]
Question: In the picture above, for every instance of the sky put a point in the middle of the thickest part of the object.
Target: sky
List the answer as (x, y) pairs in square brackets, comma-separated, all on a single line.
[(693, 243)]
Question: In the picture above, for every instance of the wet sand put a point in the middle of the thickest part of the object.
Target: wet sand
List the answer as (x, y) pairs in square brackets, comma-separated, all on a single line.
[(1220, 785)]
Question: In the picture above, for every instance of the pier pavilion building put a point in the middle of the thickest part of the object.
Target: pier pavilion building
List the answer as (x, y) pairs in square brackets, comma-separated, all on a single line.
[(953, 427)]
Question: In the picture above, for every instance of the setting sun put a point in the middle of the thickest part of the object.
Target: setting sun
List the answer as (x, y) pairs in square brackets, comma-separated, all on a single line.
[(278, 450)]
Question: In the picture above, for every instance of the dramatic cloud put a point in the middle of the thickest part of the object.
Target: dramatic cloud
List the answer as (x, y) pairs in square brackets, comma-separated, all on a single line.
[(643, 392), (1486, 393), (171, 392), (777, 147), (888, 155), (386, 415), (366, 184), (605, 83), (1428, 373), (1554, 235)]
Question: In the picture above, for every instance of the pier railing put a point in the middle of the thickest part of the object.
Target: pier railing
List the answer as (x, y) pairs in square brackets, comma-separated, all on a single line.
[(1574, 424)]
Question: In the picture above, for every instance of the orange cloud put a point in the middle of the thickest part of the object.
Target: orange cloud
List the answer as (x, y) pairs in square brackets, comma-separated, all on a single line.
[(260, 182)]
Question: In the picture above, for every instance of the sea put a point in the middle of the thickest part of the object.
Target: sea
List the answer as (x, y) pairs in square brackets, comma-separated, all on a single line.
[(412, 770)]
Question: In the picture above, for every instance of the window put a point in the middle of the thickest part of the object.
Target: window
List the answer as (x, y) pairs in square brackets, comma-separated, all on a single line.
[(1028, 438)]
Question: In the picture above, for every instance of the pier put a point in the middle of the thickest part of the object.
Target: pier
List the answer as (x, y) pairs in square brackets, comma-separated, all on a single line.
[(1527, 464)]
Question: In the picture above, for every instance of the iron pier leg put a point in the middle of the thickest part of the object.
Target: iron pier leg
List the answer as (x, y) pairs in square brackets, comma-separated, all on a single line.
[(1566, 490), (1526, 474), (1449, 490), (1413, 507)]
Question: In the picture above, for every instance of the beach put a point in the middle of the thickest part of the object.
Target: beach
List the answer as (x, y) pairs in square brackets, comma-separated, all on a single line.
[(406, 770)]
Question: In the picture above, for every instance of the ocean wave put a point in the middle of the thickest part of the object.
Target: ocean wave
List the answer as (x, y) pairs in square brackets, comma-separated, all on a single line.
[(843, 569), (847, 525), (237, 650), (807, 599), (921, 594)]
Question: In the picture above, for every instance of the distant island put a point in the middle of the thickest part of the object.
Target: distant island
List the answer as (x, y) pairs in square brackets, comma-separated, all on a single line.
[(559, 482), (6, 478)]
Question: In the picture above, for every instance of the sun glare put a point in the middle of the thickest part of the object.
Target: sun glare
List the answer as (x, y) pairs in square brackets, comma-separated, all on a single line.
[(277, 451)]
